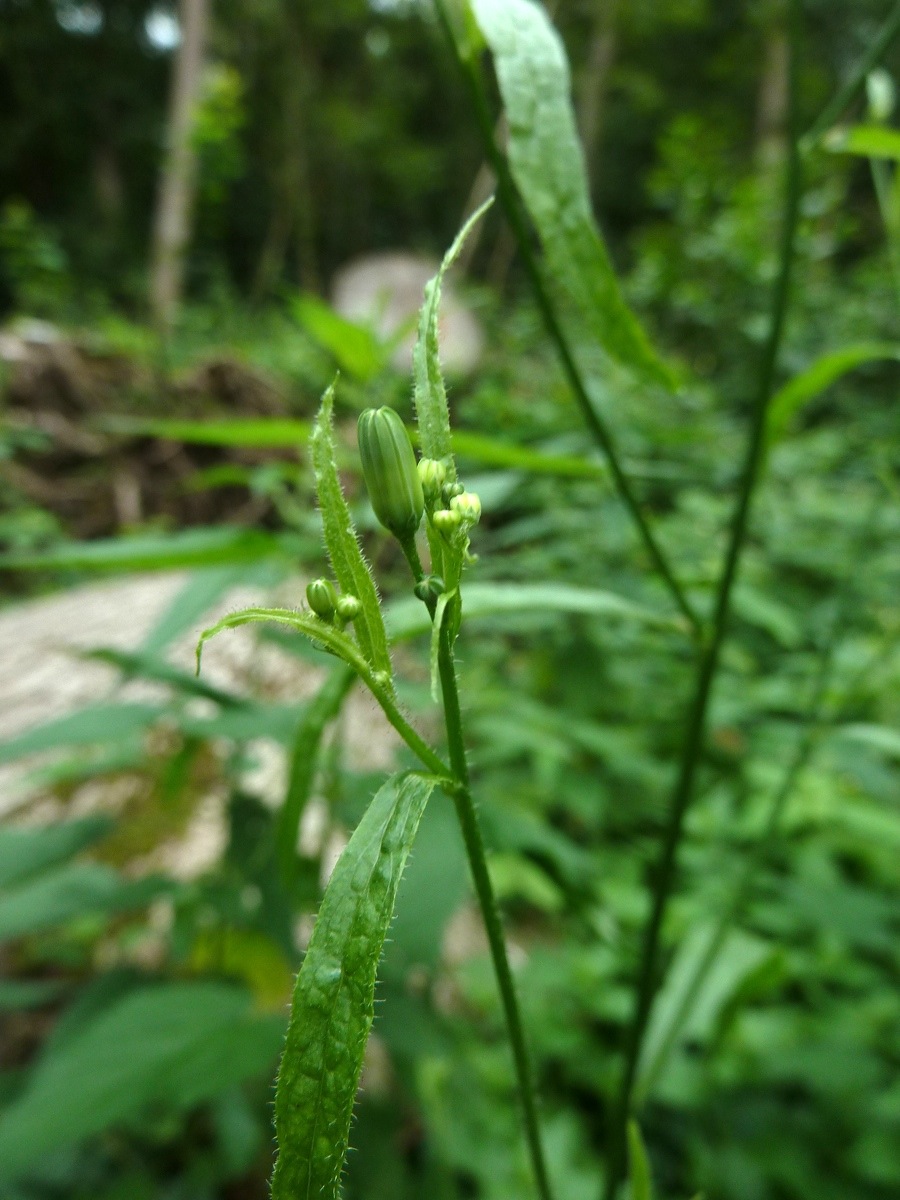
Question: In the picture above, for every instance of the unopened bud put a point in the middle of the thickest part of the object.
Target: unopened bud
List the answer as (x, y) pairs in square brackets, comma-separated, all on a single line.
[(454, 488), (429, 586), (468, 507), (389, 469), (348, 608), (433, 476), (322, 598), (446, 522)]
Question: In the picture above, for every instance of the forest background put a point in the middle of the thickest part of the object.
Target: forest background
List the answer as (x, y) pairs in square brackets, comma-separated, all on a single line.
[(178, 190)]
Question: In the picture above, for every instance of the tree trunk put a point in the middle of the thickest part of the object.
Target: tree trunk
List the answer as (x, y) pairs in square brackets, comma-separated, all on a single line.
[(177, 185)]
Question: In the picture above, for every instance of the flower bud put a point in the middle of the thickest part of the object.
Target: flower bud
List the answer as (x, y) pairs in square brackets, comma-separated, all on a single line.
[(348, 608), (446, 522), (429, 586), (389, 469), (322, 598), (454, 488), (433, 476), (468, 506)]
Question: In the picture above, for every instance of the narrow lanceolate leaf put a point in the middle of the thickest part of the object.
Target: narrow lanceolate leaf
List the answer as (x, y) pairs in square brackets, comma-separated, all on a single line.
[(825, 371), (639, 1177), (333, 1004), (547, 164), (430, 395), (437, 627), (350, 568)]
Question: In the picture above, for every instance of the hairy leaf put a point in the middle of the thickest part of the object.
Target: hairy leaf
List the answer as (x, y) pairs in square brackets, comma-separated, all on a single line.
[(430, 395), (547, 164), (333, 1004), (350, 568)]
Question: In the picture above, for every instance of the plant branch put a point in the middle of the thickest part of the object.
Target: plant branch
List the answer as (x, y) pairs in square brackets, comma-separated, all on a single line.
[(664, 874), (595, 423), (475, 850)]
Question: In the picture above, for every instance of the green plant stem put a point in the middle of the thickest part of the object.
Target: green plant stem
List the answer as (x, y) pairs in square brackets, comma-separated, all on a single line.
[(664, 873), (752, 861), (595, 423), (835, 107), (474, 843)]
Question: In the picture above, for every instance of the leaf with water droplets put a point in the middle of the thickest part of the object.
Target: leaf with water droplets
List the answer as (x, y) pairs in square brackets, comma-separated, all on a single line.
[(334, 998)]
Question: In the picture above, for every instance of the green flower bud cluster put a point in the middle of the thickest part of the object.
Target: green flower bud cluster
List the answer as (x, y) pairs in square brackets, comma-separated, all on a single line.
[(322, 598)]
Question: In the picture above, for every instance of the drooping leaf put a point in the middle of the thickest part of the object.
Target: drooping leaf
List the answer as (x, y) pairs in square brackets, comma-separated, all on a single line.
[(25, 851), (547, 164), (174, 1045), (326, 637), (430, 394), (825, 371), (350, 568), (640, 1179), (333, 1003)]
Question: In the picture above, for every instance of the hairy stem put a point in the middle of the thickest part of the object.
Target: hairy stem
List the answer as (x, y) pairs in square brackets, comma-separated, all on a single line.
[(596, 425), (474, 843)]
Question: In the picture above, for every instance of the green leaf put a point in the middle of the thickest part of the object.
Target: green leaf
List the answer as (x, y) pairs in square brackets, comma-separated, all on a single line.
[(333, 1004), (437, 626), (350, 568), (304, 755), (154, 551), (70, 891), (94, 725), (17, 994), (24, 852), (326, 637), (809, 384), (255, 432), (192, 602), (877, 737), (173, 1045), (430, 394), (640, 1178), (355, 348), (869, 141), (407, 618), (547, 165), (712, 970)]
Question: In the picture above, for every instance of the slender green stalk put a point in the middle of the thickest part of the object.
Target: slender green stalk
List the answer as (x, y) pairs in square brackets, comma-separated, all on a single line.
[(692, 751), (835, 107), (595, 423), (753, 860), (474, 843)]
